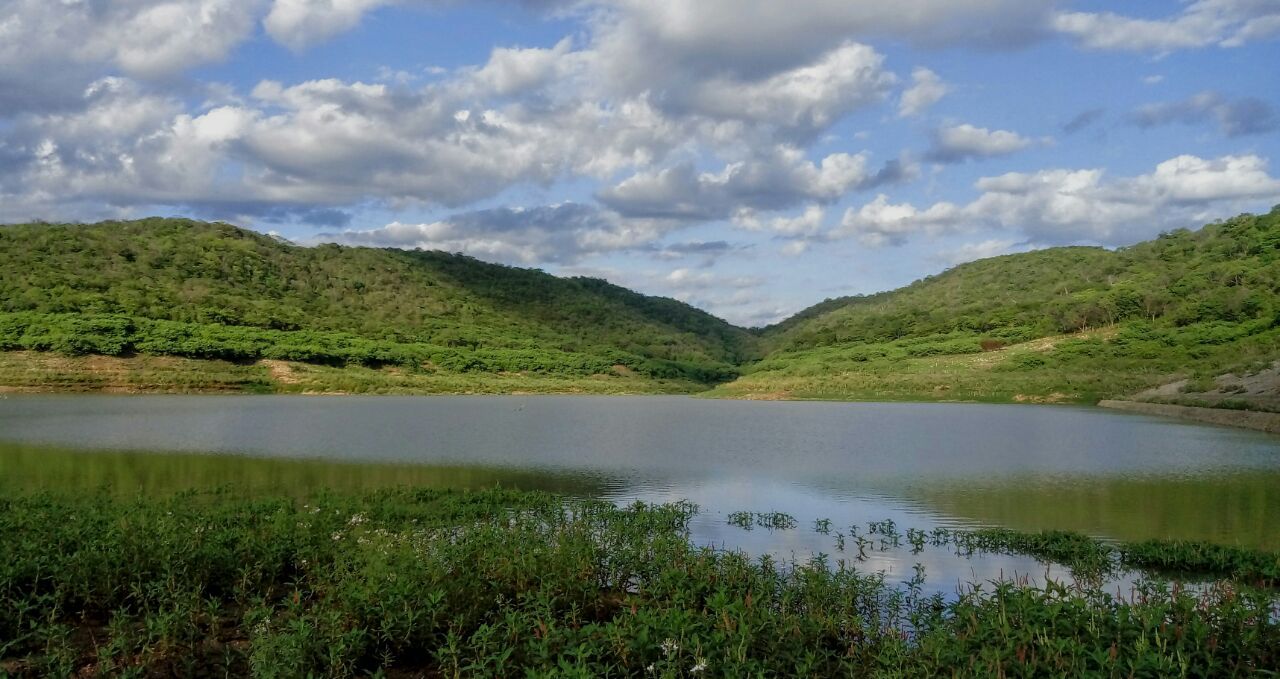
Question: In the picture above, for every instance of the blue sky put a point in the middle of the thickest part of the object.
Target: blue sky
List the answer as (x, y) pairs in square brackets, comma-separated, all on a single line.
[(751, 157)]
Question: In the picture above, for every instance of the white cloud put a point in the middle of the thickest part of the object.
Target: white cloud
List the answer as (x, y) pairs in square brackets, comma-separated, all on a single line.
[(782, 178), (298, 24), (552, 233), (1226, 23), (1192, 180), (514, 70), (808, 98), (1068, 206), (144, 38), (954, 143), (881, 223), (926, 90)]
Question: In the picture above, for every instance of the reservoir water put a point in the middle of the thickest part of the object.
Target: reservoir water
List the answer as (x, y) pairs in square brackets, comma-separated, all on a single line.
[(1109, 474)]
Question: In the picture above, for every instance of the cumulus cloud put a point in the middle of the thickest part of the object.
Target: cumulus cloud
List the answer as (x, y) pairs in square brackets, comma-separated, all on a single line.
[(144, 38), (1066, 206), (926, 90), (299, 24), (1225, 23), (782, 178), (880, 222), (1235, 117), (806, 99), (755, 36), (807, 223), (956, 143), (560, 233)]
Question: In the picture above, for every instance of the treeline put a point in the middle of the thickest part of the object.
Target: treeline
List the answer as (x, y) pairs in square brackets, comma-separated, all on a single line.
[(1224, 273), (115, 335)]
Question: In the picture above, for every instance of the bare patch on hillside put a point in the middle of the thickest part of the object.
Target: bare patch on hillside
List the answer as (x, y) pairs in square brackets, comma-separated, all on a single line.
[(280, 371)]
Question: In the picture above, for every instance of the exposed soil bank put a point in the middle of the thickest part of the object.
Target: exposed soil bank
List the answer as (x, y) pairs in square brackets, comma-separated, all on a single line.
[(1268, 422)]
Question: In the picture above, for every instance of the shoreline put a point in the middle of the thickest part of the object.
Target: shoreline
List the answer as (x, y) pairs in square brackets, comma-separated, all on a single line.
[(1240, 419)]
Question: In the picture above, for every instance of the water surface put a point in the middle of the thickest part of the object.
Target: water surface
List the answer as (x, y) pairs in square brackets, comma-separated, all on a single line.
[(1106, 473)]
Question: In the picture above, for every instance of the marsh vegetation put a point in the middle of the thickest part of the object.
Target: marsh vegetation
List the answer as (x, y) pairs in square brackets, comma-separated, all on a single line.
[(495, 583)]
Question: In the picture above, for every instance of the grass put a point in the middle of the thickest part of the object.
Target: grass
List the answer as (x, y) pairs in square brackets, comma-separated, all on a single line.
[(29, 371), (1085, 367), (502, 583)]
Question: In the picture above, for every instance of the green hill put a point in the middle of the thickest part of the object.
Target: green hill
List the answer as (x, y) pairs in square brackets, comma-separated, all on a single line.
[(194, 305), (1072, 324), (200, 290)]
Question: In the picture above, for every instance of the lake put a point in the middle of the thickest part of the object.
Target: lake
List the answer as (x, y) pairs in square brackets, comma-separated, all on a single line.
[(1109, 474)]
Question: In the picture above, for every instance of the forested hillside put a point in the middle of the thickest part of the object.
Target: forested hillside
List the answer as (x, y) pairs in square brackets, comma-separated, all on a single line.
[(1060, 324), (212, 290), (1064, 324)]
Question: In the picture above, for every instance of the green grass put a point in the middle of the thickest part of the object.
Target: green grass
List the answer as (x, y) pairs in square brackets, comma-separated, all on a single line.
[(31, 371), (1107, 363), (501, 583)]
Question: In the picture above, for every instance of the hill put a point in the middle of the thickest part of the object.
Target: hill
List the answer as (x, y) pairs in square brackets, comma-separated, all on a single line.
[(182, 288), (178, 305), (1063, 324)]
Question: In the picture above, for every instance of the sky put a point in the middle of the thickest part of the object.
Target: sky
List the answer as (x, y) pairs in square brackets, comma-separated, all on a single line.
[(750, 157)]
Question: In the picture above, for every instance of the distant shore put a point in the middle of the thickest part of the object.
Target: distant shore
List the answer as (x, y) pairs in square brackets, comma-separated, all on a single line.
[(1246, 419), (47, 372)]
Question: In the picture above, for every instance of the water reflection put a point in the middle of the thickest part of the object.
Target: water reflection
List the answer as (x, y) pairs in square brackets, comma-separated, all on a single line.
[(41, 468), (28, 468), (1232, 508), (1112, 475)]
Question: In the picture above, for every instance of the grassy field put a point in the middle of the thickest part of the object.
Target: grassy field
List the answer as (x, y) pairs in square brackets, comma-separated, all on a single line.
[(29, 371), (500, 583)]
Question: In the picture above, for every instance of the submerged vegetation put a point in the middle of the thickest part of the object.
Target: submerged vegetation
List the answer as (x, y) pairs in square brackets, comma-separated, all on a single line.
[(501, 583), (1087, 557), (1069, 324)]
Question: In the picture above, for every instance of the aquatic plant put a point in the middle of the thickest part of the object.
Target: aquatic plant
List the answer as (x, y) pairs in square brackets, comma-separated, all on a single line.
[(501, 583), (770, 520)]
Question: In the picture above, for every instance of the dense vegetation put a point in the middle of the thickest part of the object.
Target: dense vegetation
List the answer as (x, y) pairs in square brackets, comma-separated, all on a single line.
[(1079, 323), (502, 583), (1064, 324), (201, 290)]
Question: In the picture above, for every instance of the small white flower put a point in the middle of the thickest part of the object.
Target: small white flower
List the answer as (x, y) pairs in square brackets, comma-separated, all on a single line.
[(700, 666), (337, 535), (650, 668), (669, 646)]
